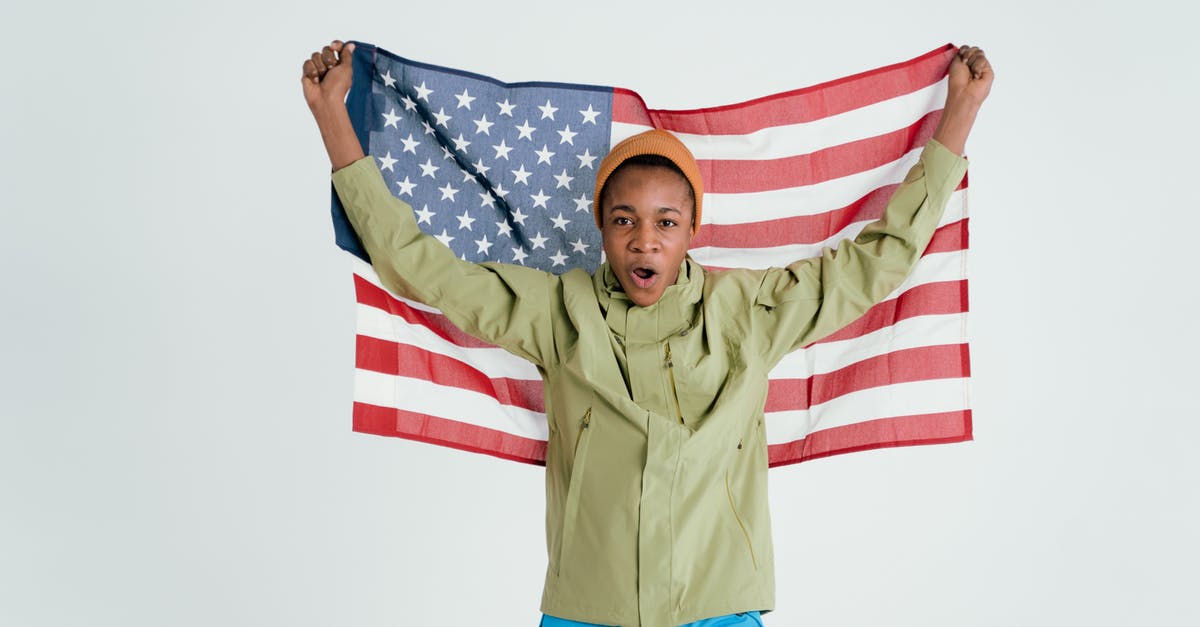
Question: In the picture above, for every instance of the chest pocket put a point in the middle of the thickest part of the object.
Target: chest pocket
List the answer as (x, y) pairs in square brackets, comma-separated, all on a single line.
[(701, 377)]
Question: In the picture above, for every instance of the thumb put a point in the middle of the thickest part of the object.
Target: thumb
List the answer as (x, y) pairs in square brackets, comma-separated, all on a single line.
[(347, 53)]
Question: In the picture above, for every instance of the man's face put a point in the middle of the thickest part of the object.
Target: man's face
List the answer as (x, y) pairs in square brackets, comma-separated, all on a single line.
[(647, 229)]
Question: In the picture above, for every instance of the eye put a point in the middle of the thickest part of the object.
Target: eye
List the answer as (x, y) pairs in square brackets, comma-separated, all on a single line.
[(667, 222), (622, 220)]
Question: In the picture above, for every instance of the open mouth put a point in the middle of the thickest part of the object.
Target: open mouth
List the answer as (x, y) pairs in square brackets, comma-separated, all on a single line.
[(644, 277)]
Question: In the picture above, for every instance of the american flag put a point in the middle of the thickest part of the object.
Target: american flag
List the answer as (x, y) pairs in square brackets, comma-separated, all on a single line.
[(505, 172)]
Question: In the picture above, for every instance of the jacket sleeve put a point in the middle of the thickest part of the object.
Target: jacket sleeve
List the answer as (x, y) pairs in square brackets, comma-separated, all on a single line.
[(813, 298), (506, 305)]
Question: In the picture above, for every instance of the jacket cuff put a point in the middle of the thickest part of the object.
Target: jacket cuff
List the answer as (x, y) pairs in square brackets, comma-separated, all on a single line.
[(942, 165)]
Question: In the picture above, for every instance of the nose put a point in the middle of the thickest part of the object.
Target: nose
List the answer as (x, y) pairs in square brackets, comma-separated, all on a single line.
[(645, 238)]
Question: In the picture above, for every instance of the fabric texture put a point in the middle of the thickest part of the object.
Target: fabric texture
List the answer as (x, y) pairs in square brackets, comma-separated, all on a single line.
[(745, 619), (656, 464)]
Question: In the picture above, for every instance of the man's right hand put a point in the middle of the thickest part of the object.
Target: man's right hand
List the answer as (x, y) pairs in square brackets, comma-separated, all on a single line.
[(326, 79)]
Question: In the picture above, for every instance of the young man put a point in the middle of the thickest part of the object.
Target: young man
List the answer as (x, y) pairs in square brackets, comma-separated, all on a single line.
[(655, 370)]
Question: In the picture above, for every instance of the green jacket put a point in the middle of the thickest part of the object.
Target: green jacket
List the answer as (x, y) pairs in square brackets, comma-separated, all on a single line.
[(656, 465)]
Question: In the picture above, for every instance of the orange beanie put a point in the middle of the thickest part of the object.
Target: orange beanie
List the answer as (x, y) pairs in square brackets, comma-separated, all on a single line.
[(652, 142)]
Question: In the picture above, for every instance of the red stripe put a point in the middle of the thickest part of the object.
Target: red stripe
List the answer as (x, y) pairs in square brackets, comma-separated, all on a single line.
[(929, 299), (791, 107), (925, 363), (741, 176), (372, 295), (405, 360), (434, 430), (937, 428)]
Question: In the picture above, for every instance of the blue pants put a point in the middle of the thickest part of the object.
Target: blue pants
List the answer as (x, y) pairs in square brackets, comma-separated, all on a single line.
[(749, 619)]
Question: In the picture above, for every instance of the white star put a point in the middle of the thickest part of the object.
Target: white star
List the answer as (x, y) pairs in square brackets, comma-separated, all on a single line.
[(559, 259), (427, 168), (567, 135), (386, 162), (467, 176), (483, 126), (464, 221), (504, 228), (446, 154), (500, 191), (479, 167), (578, 246), (410, 144), (586, 159), (422, 93), (483, 245), (391, 119), (522, 174), (506, 108), (563, 180), (445, 238), (548, 110), (582, 203), (560, 222), (538, 241), (544, 155), (387, 79), (486, 200), (519, 255), (460, 143), (539, 199), (502, 150), (589, 116), (406, 186), (424, 215), (409, 103), (526, 131), (519, 217), (442, 118), (428, 129), (447, 192), (465, 100)]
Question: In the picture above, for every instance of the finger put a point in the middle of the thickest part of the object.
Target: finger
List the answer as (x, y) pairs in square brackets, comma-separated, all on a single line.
[(328, 57), (310, 71), (318, 63)]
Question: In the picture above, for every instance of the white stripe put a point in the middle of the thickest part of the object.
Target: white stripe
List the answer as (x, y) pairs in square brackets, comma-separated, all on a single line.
[(901, 399), (451, 403), (792, 139), (366, 271), (917, 332)]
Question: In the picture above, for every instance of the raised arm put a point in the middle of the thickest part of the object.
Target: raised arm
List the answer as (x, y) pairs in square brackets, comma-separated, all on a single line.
[(813, 298), (326, 81)]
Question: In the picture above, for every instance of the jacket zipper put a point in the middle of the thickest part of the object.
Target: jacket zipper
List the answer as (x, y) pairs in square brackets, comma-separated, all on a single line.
[(571, 507), (674, 391)]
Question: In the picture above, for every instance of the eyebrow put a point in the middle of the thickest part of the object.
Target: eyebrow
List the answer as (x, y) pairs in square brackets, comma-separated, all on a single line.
[(629, 209)]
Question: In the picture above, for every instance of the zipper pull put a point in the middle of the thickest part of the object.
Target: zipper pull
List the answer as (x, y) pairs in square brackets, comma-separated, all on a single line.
[(587, 418), (669, 362)]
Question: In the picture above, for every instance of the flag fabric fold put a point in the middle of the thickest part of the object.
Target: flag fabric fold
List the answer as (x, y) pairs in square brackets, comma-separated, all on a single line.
[(504, 172)]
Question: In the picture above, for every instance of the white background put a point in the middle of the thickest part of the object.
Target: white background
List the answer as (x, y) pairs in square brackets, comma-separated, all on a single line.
[(176, 325)]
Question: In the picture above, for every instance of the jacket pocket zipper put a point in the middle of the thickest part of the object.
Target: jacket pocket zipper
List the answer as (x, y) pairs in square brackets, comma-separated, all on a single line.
[(738, 518), (674, 391), (571, 508)]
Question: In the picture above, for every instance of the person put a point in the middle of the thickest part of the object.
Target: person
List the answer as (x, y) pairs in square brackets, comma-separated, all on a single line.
[(655, 369)]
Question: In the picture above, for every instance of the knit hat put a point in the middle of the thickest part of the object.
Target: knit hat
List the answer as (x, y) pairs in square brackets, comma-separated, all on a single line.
[(652, 142)]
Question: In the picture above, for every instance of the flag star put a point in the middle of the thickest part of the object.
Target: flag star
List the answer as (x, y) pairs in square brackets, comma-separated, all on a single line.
[(522, 174), (391, 119), (567, 135), (506, 108), (582, 203), (519, 255), (563, 180), (460, 143), (445, 238), (406, 186), (586, 159), (502, 150), (486, 200), (447, 192), (387, 79), (410, 144), (560, 222), (559, 259), (422, 93), (538, 241), (483, 126), (427, 168), (500, 191), (386, 162), (539, 199), (464, 100), (424, 215), (519, 217), (409, 103), (466, 175), (428, 129), (544, 155), (446, 154), (465, 221), (578, 246), (548, 110), (479, 167), (589, 116), (526, 131), (483, 245), (442, 118), (504, 228)]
